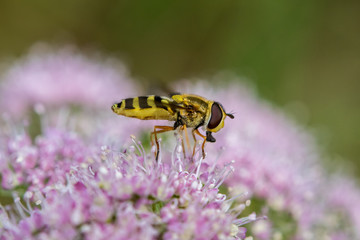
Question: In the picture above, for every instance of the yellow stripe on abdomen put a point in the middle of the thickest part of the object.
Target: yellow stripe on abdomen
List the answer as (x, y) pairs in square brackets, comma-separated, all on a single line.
[(145, 107), (151, 101), (136, 103)]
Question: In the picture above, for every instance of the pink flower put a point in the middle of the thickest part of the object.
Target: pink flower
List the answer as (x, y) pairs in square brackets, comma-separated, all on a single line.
[(54, 78), (93, 192), (275, 158), (84, 159), (277, 162), (69, 90), (43, 163), (343, 197)]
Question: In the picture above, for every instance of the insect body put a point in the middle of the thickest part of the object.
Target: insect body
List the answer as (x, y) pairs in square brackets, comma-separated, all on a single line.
[(186, 110)]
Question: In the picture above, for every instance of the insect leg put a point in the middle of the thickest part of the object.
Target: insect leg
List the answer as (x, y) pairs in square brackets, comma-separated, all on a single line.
[(203, 144), (161, 130), (182, 141), (187, 138), (193, 134)]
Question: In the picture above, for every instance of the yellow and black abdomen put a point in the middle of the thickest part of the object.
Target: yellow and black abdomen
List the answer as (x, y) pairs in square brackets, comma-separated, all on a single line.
[(146, 108)]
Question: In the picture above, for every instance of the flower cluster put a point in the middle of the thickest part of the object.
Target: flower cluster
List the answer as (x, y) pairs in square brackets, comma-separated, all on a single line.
[(65, 89), (66, 186), (43, 163), (125, 195), (278, 163), (49, 78)]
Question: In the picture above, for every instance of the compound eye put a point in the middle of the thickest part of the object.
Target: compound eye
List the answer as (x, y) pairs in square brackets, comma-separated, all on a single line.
[(216, 116)]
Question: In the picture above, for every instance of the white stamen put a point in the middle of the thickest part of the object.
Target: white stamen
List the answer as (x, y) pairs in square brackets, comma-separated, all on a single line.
[(91, 171), (176, 155), (179, 165), (231, 170), (198, 168), (20, 207), (159, 153), (236, 196), (251, 218), (27, 196), (133, 139), (238, 210), (41, 199), (229, 202), (144, 154)]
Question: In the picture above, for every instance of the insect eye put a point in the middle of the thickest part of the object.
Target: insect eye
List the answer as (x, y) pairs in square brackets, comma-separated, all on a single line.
[(216, 116)]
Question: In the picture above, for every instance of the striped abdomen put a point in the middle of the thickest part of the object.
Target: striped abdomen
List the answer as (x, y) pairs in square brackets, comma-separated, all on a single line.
[(146, 107)]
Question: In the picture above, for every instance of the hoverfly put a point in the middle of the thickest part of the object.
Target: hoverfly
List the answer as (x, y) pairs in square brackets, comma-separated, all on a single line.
[(186, 110)]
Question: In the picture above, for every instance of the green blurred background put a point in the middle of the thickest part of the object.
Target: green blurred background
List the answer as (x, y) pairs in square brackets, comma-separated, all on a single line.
[(304, 56)]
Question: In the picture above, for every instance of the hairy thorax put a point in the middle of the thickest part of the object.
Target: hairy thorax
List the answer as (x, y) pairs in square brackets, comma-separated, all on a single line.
[(192, 119)]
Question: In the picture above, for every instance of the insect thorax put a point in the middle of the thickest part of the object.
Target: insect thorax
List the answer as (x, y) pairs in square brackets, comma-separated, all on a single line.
[(191, 119)]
